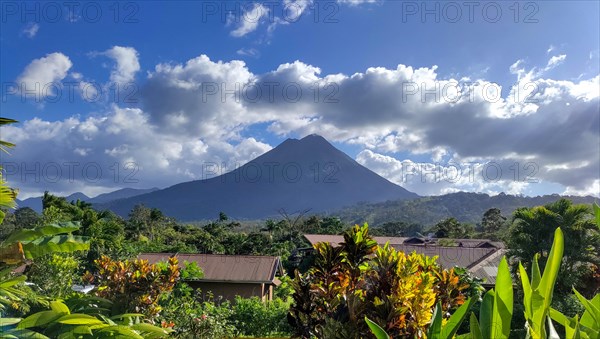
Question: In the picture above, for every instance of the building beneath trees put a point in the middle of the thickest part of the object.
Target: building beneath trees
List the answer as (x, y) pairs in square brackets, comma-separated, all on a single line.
[(480, 257), (229, 275)]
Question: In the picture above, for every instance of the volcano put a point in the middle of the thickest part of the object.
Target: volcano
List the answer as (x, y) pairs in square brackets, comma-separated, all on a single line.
[(308, 174)]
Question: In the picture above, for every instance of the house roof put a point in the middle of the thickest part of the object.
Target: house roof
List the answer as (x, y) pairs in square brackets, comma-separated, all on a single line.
[(478, 243), (488, 267), (227, 268), (20, 269), (480, 256), (335, 240)]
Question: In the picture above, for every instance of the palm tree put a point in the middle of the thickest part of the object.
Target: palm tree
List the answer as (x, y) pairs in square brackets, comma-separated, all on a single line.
[(532, 233)]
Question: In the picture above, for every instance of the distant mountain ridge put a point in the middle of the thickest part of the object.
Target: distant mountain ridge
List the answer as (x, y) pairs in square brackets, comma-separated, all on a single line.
[(464, 206), (35, 203), (310, 175), (298, 175), (121, 194)]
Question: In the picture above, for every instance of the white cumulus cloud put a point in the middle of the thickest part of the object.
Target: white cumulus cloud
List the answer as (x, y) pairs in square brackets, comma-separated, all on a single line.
[(126, 63), (44, 74)]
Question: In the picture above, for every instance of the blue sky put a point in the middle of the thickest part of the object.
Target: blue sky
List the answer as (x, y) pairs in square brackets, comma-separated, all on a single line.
[(159, 54)]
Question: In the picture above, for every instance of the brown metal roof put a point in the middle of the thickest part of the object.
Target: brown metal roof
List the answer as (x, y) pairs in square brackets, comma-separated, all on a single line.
[(227, 268), (478, 243), (334, 240), (20, 269), (488, 267), (391, 240)]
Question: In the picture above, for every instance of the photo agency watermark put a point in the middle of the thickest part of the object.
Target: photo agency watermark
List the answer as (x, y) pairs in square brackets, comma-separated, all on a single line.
[(468, 172), (442, 91), (455, 91), (329, 172), (269, 91), (272, 172), (126, 12), (273, 12), (70, 171), (207, 91), (470, 11), (71, 91), (455, 251)]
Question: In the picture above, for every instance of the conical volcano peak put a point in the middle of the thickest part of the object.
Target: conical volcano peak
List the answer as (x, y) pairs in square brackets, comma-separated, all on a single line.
[(308, 150), (315, 141), (311, 138), (311, 145), (306, 174), (314, 137), (289, 141)]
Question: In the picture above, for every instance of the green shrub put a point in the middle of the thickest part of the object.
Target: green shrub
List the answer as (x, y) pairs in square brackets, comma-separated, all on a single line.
[(54, 274), (253, 317), (134, 286), (190, 317), (285, 290), (191, 270)]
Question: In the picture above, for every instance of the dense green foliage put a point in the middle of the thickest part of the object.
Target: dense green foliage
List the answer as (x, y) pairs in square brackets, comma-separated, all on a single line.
[(493, 224), (532, 233), (192, 317), (452, 228)]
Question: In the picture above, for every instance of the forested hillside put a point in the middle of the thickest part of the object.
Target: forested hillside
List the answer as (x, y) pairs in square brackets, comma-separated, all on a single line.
[(463, 206)]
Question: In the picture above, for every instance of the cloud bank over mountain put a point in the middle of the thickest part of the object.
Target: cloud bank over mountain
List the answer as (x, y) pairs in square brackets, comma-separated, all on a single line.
[(405, 122)]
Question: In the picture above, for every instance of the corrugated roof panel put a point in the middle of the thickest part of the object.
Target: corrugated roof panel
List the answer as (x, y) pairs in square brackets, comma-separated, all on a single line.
[(488, 268), (226, 267)]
